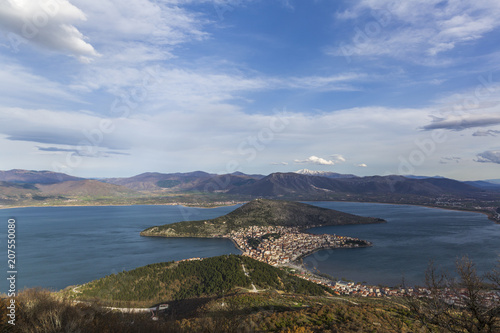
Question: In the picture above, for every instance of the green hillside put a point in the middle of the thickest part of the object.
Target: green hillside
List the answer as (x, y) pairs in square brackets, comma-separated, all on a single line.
[(260, 212), (164, 282)]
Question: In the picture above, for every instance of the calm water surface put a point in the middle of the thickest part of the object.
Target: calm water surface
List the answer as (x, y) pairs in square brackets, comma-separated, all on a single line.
[(61, 246), (404, 246)]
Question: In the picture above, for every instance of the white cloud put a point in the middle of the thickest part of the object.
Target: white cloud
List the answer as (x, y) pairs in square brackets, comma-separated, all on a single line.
[(46, 136), (141, 21), (362, 165), (338, 158), (50, 24), (315, 160), (196, 89), (21, 87), (414, 29), (340, 82), (135, 36)]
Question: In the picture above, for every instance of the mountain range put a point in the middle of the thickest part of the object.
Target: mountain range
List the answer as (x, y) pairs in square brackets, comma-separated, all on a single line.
[(18, 186), (291, 184)]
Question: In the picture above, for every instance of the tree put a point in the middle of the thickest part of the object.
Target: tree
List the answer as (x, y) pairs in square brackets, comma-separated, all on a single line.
[(466, 303)]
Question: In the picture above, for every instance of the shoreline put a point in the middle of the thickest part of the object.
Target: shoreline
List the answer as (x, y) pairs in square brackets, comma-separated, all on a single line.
[(186, 205), (238, 203), (488, 215), (302, 256), (121, 205)]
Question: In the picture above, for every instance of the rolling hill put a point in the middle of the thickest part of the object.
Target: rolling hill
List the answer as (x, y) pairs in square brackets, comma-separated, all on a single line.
[(485, 185), (154, 181), (10, 193), (92, 188), (35, 177), (192, 181), (171, 281)]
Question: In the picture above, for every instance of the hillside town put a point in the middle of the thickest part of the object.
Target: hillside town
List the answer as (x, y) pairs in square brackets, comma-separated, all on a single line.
[(357, 289), (280, 245), (451, 296)]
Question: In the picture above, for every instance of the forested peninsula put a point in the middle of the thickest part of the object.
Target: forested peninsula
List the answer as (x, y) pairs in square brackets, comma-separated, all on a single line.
[(260, 213)]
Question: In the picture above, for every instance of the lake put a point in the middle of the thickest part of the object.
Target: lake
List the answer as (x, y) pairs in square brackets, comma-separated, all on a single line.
[(404, 246), (62, 246)]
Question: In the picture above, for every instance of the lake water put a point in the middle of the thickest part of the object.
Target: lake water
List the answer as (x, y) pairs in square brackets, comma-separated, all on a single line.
[(61, 246), (404, 246)]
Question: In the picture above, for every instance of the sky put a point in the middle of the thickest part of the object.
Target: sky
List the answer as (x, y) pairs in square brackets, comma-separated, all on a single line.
[(115, 88)]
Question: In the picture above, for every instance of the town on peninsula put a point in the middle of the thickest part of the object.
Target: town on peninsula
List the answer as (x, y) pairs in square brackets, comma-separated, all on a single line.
[(271, 231)]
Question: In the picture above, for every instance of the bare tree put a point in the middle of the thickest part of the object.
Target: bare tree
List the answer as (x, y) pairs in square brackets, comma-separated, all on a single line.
[(466, 303)]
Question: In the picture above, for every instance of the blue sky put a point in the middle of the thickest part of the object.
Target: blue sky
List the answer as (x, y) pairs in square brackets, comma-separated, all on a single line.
[(115, 88)]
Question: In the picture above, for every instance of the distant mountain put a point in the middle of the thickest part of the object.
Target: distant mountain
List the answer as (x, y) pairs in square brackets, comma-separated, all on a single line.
[(260, 212), (222, 183), (35, 177), (326, 174), (154, 181), (485, 185), (32, 187), (297, 185), (255, 176), (421, 177), (286, 184), (191, 181), (92, 188)]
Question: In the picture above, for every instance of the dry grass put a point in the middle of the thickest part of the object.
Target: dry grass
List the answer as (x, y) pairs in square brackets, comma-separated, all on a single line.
[(42, 312)]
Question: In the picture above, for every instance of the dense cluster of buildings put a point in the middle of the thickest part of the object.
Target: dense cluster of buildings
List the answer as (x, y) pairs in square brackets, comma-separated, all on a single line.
[(279, 245), (450, 296), (358, 289)]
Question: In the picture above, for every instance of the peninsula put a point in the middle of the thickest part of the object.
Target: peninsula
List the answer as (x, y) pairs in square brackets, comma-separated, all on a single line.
[(271, 231)]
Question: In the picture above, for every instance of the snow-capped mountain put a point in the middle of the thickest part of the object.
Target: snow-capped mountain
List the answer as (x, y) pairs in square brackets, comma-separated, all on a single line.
[(327, 174)]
